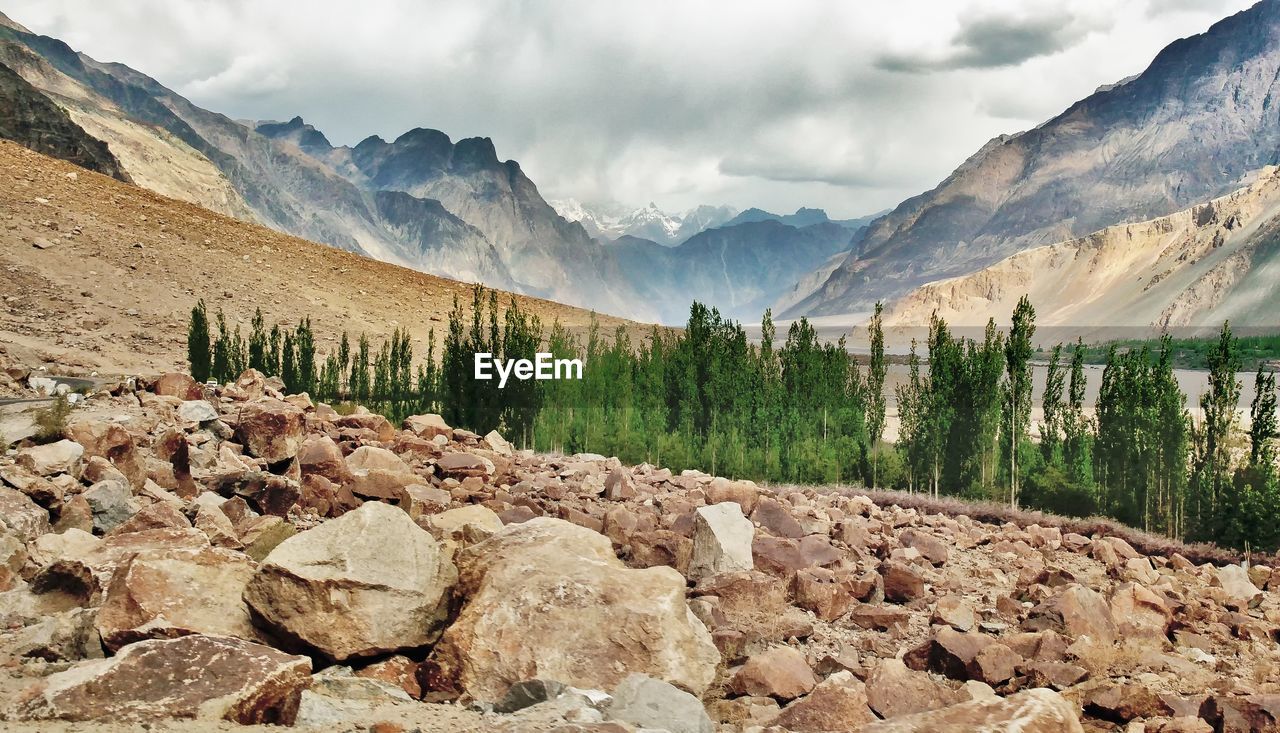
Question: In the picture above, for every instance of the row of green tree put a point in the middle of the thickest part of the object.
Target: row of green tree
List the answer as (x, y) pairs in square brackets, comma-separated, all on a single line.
[(797, 409)]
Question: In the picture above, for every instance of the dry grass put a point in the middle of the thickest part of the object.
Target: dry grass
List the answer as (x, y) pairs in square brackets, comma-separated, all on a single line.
[(995, 513)]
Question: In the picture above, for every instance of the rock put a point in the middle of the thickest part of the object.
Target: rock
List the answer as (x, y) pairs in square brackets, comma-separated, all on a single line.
[(64, 456), (995, 664), (428, 426), (23, 517), (1139, 613), (196, 411), (1120, 703), (781, 673), (932, 548), (171, 593), (319, 455), (178, 385), (464, 465), (955, 612), (399, 670), (68, 636), (13, 555), (1234, 580), (649, 703), (377, 473), (112, 504), (498, 444), (270, 429), (902, 583), (85, 571), (527, 694), (368, 582), (110, 441), (260, 535), (338, 698), (549, 599), (894, 690), (160, 515), (745, 493), (838, 703), (1078, 612), (722, 539), (201, 677), (618, 485), (776, 519), (380, 427), (827, 594), (468, 524), (1033, 711)]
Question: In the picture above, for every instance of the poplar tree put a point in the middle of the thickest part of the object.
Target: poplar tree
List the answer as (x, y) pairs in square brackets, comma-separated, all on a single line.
[(1213, 512), (289, 363), (258, 343), (877, 368), (305, 345), (1053, 407), (1018, 386), (222, 350), (198, 348)]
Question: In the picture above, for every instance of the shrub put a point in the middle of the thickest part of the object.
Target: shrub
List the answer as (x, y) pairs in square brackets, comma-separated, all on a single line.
[(52, 421)]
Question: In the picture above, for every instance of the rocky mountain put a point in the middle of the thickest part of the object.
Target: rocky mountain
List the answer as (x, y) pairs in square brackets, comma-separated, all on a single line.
[(1194, 125), (204, 557), (101, 276), (613, 220), (803, 217), (741, 269), (29, 118), (1192, 269)]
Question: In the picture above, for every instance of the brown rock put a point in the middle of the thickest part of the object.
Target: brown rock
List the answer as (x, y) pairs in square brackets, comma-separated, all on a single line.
[(171, 593), (781, 673), (428, 426), (379, 425), (464, 465), (894, 690), (175, 384), (1120, 703), (161, 515), (838, 703), (320, 456), (24, 518), (102, 439), (745, 493), (619, 486), (822, 591), (63, 456), (932, 548), (201, 677), (955, 612), (1078, 612), (399, 670), (776, 519), (902, 583), (88, 570), (1139, 613), (1033, 711), (271, 429)]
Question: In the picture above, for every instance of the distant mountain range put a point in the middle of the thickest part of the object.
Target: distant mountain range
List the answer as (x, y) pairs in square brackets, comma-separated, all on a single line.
[(1197, 124), (451, 208)]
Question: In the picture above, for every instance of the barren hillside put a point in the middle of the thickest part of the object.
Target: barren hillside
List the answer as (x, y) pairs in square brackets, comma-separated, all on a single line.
[(100, 275), (1193, 268)]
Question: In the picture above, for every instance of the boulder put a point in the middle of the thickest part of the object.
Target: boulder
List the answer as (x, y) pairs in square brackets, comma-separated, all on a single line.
[(111, 503), (838, 703), (270, 429), (428, 426), (776, 519), (378, 426), (176, 384), (368, 582), (1078, 612), (319, 455), (23, 517), (1234, 581), (63, 456), (745, 493), (722, 539), (377, 473), (110, 441), (902, 582), (464, 465), (955, 612), (68, 636), (1033, 711), (933, 549), (338, 699), (1139, 613), (160, 515), (646, 702), (171, 593), (549, 599), (200, 677), (498, 444), (196, 411), (85, 571), (894, 690), (781, 673)]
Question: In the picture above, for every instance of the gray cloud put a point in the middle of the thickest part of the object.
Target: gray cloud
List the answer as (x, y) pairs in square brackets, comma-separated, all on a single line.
[(767, 104)]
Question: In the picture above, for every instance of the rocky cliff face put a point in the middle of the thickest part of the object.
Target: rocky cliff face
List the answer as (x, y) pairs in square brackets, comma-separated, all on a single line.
[(1191, 269), (29, 118), (1191, 127), (240, 554)]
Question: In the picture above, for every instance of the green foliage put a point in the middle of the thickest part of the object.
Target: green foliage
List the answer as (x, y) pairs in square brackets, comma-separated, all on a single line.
[(51, 422), (1193, 353), (1017, 407), (198, 348)]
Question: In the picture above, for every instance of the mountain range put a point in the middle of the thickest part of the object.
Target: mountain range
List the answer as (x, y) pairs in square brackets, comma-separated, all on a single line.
[(613, 220), (450, 208), (1197, 124)]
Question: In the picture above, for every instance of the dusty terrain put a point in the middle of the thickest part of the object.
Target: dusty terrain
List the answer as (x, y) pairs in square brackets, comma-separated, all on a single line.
[(113, 290), (187, 557)]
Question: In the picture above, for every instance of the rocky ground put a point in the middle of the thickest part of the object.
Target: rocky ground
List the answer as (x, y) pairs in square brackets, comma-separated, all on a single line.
[(198, 560)]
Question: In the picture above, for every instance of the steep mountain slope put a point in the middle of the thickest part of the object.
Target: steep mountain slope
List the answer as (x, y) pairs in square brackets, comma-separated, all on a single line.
[(611, 220), (29, 118), (119, 268), (1190, 269), (1191, 127), (741, 269)]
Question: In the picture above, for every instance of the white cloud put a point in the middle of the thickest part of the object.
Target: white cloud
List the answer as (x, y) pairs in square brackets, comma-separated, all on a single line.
[(759, 103)]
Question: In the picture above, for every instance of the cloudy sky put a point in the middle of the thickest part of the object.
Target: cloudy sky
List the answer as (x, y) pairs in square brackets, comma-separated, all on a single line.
[(851, 106)]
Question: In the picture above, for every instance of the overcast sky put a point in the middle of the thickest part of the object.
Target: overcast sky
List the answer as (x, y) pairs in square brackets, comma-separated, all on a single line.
[(850, 106)]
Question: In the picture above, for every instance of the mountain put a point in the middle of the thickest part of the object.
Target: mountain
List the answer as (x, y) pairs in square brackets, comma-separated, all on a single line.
[(29, 118), (122, 267), (1188, 270), (613, 220), (741, 269), (1193, 126), (802, 217)]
